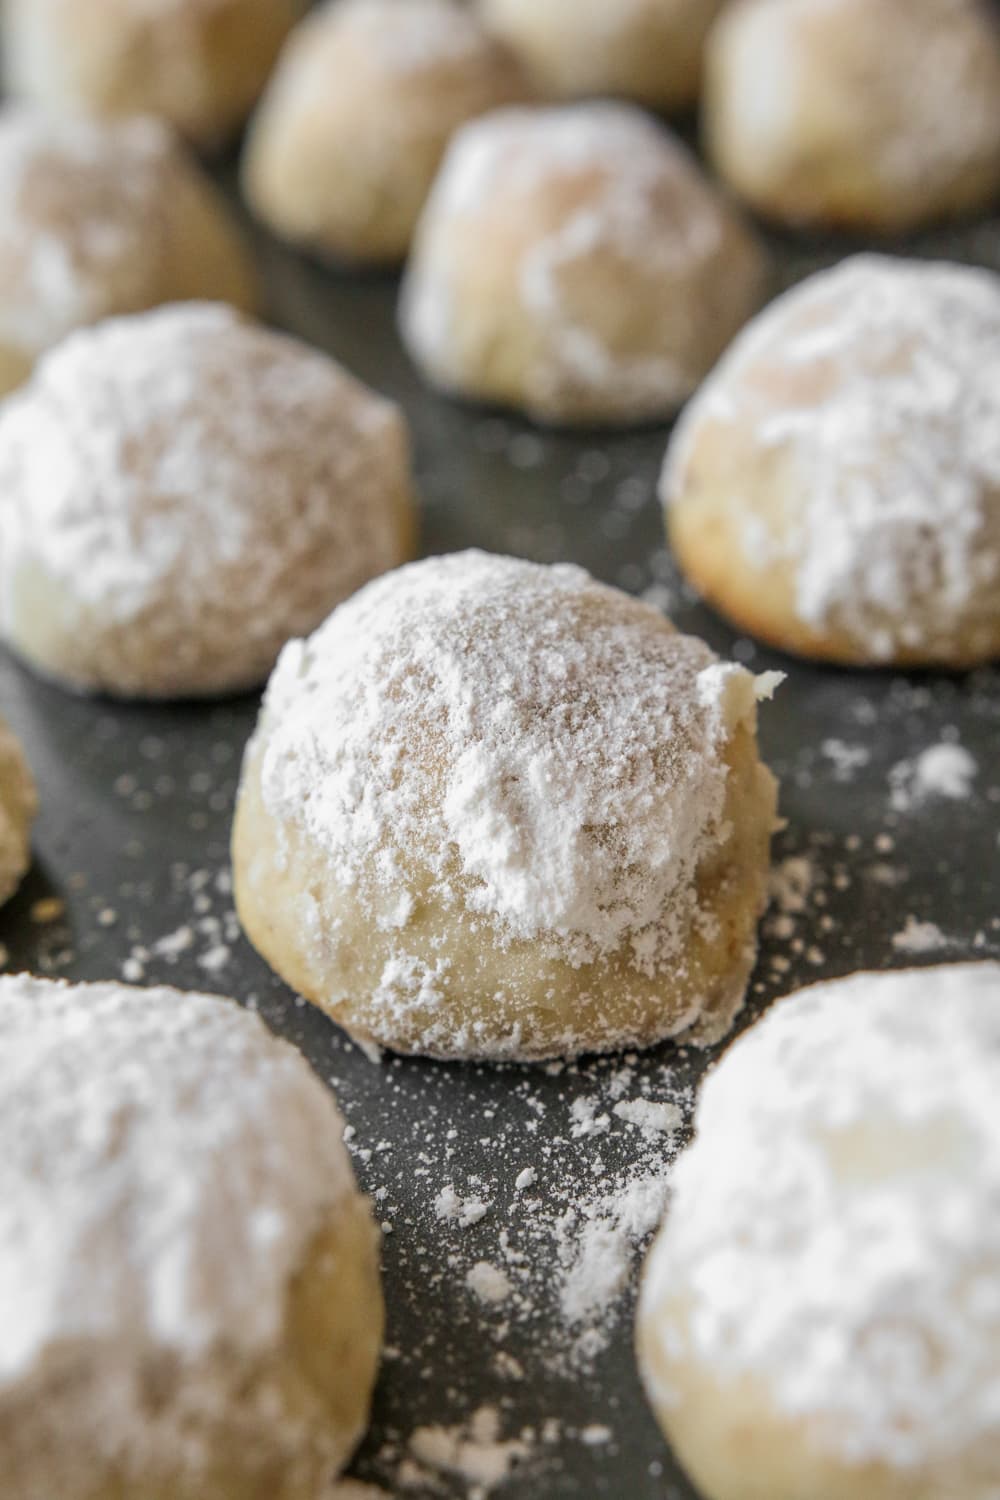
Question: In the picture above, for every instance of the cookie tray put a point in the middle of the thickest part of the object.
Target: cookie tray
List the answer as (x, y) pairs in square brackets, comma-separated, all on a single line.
[(515, 1201)]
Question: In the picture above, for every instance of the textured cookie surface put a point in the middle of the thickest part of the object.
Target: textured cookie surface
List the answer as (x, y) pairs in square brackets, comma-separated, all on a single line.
[(835, 485), (820, 1315), (189, 1275), (575, 263), (183, 492), (496, 809)]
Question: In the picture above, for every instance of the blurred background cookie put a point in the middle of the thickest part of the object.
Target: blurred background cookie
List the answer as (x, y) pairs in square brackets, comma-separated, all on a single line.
[(350, 133), (181, 492), (647, 50), (834, 487), (98, 219), (876, 115), (575, 263), (198, 63)]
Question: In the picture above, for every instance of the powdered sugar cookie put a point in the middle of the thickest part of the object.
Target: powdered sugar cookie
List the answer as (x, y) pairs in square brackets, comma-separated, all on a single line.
[(498, 810), (863, 114), (181, 493), (190, 1275), (575, 263), (98, 219), (834, 487), (819, 1315), (345, 169), (648, 50), (18, 805), (198, 63)]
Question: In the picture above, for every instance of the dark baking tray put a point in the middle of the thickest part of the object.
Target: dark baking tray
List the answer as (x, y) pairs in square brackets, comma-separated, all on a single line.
[(131, 848)]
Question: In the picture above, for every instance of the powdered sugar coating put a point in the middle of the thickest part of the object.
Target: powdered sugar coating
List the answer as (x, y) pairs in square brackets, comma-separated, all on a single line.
[(834, 1232), (549, 748), (201, 483), (102, 218), (873, 389), (128, 1117), (167, 1164), (18, 805), (584, 187)]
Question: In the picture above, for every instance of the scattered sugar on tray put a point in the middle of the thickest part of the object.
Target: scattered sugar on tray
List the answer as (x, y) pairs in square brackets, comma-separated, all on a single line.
[(472, 1451), (919, 937), (488, 1283), (942, 770)]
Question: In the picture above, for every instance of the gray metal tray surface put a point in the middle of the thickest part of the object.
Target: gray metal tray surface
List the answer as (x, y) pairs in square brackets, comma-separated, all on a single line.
[(516, 1201)]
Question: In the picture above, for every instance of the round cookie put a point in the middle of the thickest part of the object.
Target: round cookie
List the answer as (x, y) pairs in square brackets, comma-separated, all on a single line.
[(819, 1315), (834, 487), (575, 263), (190, 1283), (647, 50), (182, 492), (198, 63), (98, 219), (18, 806), (870, 115), (351, 131), (497, 810)]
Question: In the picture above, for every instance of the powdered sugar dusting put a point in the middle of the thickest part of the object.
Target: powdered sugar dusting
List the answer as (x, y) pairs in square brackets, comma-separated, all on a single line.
[(128, 1117), (877, 386), (194, 472), (562, 749), (82, 229), (835, 1223)]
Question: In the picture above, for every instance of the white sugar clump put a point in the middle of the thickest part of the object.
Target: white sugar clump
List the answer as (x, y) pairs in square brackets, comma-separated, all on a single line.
[(834, 1230), (549, 746), (166, 1163), (876, 387)]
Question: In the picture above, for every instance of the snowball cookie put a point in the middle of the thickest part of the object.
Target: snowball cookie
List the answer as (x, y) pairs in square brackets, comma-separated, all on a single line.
[(189, 1278), (820, 1314), (873, 115), (181, 493), (353, 126), (198, 63), (650, 50), (18, 806), (834, 487), (575, 263), (97, 219), (498, 810)]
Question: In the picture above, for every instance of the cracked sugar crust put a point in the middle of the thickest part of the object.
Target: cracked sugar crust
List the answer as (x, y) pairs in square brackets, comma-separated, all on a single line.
[(857, 115), (183, 492), (831, 1252), (487, 757), (18, 806), (101, 219), (538, 219), (847, 450), (168, 1166)]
